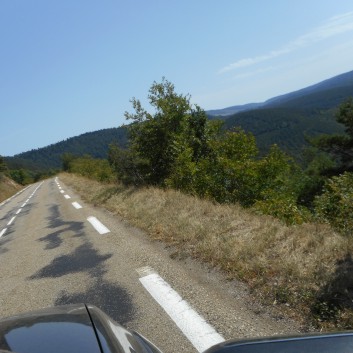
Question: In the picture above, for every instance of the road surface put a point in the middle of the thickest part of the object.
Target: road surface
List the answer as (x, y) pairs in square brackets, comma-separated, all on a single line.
[(55, 249)]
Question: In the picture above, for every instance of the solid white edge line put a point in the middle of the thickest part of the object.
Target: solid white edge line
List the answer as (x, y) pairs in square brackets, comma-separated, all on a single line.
[(12, 219), (76, 205), (98, 226), (194, 326), (3, 232), (13, 196)]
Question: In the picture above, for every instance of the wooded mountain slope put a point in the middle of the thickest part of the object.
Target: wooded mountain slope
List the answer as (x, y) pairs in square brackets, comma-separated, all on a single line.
[(284, 120), (288, 120), (95, 144)]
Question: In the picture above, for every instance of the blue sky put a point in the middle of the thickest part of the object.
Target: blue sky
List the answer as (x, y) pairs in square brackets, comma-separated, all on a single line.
[(71, 66)]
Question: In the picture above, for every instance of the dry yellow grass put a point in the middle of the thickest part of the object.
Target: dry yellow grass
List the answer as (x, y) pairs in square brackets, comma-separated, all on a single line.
[(284, 265), (7, 188)]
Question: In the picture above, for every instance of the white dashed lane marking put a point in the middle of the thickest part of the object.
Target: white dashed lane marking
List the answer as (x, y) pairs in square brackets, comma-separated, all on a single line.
[(20, 209), (3, 232), (97, 225), (201, 334), (76, 205), (12, 219)]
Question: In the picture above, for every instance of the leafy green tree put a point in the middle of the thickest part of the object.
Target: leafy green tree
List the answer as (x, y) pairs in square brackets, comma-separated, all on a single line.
[(340, 146), (66, 160), (3, 166), (21, 176), (128, 167), (281, 184), (226, 173), (234, 167), (156, 140), (317, 163), (335, 204), (94, 168), (177, 146), (195, 152)]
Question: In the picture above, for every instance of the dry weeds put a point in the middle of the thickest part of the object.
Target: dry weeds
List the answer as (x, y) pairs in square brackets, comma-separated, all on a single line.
[(283, 265), (7, 188)]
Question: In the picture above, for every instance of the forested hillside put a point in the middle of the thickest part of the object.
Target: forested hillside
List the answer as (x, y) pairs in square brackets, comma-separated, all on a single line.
[(95, 144), (329, 91), (287, 120), (289, 128)]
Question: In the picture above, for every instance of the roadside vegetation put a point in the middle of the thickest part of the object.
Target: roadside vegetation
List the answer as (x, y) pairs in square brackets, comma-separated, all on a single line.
[(23, 172), (8, 187), (284, 229), (304, 269)]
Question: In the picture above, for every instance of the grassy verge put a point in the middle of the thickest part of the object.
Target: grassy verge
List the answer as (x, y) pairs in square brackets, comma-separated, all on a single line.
[(306, 270), (7, 188)]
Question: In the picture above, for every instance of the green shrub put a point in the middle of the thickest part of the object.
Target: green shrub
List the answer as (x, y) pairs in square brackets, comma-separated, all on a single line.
[(283, 207), (98, 169), (335, 204), (21, 176)]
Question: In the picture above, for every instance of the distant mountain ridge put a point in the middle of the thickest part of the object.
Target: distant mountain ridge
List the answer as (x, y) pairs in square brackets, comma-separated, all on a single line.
[(234, 109), (341, 81), (284, 120), (95, 144)]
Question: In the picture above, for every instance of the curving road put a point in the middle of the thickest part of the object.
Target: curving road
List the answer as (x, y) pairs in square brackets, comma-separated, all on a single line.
[(55, 249)]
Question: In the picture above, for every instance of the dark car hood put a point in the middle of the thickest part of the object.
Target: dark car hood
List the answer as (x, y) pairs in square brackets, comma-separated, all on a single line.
[(335, 342), (58, 329), (70, 328)]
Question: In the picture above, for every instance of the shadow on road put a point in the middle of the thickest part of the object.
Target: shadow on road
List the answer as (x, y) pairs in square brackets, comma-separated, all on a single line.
[(6, 217), (54, 239), (109, 297), (3, 241), (82, 259)]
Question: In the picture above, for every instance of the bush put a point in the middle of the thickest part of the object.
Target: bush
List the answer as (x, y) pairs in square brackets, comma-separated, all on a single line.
[(335, 204), (283, 207), (21, 176), (98, 169)]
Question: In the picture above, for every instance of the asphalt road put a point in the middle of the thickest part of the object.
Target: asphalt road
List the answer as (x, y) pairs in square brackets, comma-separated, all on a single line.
[(53, 253)]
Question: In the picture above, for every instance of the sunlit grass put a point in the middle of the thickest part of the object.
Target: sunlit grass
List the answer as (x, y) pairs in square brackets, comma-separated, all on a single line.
[(7, 188), (286, 266)]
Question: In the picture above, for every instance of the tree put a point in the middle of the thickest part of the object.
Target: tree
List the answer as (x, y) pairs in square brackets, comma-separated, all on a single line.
[(93, 168), (66, 160), (157, 140), (3, 166), (281, 186), (128, 167), (340, 146), (177, 146), (225, 172), (335, 204), (21, 176)]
